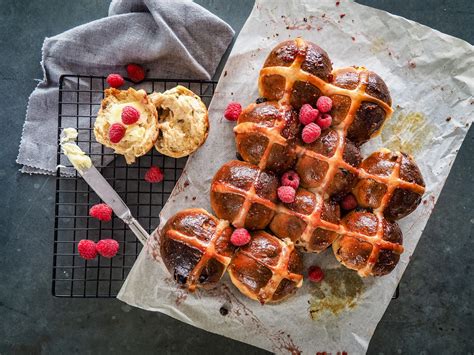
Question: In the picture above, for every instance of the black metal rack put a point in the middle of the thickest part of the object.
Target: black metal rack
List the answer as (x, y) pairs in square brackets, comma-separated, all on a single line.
[(79, 100)]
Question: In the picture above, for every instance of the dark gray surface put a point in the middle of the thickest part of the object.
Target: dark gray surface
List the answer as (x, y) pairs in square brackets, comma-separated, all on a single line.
[(432, 315)]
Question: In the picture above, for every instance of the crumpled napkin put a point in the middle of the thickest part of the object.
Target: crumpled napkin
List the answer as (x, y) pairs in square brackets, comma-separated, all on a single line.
[(171, 39)]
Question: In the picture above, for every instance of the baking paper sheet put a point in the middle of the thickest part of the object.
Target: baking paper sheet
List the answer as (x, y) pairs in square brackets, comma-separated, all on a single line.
[(430, 76)]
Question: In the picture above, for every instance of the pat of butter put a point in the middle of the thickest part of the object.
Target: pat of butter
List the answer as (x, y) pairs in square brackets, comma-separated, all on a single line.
[(75, 154), (68, 135)]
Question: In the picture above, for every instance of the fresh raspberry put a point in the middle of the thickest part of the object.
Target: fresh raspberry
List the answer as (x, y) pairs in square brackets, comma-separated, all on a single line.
[(87, 249), (324, 104), (315, 274), (310, 133), (154, 174), (115, 80), (290, 178), (308, 114), (286, 194), (233, 110), (101, 211), (130, 115), (349, 202), (108, 248), (116, 132), (135, 72), (240, 237), (324, 121)]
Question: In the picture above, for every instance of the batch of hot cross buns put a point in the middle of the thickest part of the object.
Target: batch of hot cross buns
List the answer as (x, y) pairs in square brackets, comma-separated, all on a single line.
[(300, 184)]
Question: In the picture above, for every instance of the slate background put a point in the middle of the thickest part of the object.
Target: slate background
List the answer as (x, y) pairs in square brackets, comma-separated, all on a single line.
[(433, 314)]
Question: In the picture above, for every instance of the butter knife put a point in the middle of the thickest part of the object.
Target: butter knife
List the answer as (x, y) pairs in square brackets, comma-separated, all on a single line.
[(107, 194)]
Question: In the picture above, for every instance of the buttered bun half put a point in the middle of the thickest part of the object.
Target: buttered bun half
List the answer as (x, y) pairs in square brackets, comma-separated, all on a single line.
[(183, 123), (139, 137)]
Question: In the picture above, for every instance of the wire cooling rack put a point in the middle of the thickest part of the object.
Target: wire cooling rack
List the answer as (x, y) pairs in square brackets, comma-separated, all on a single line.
[(79, 101)]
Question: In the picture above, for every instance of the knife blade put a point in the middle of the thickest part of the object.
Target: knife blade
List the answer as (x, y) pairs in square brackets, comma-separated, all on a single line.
[(107, 194)]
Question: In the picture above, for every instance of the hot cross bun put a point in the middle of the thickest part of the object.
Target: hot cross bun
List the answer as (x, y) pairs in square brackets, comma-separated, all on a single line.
[(195, 247), (267, 269)]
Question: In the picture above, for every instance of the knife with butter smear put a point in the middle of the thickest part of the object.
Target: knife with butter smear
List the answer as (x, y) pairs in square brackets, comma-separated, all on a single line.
[(83, 164)]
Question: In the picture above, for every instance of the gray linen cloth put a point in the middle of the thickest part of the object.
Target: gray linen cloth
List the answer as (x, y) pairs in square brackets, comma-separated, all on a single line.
[(171, 39)]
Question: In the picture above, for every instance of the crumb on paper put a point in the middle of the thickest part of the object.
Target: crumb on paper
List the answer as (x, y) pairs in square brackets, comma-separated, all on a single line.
[(306, 23)]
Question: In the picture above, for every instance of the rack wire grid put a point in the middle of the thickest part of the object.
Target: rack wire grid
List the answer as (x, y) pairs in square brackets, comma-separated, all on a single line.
[(80, 97)]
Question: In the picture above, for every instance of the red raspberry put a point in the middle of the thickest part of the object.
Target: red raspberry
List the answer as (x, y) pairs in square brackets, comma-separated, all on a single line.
[(87, 249), (349, 202), (286, 194), (308, 114), (130, 115), (101, 211), (290, 178), (315, 274), (108, 248), (116, 132), (135, 72), (154, 174), (233, 111), (115, 80), (240, 237), (324, 104), (324, 121), (310, 133)]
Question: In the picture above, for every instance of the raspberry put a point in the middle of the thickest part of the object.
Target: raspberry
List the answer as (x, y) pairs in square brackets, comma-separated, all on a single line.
[(87, 249), (315, 274), (116, 132), (130, 115), (290, 178), (324, 121), (101, 211), (240, 237), (108, 248), (135, 72), (310, 133), (308, 114), (324, 104), (154, 174), (233, 110), (349, 202), (115, 80), (286, 194)]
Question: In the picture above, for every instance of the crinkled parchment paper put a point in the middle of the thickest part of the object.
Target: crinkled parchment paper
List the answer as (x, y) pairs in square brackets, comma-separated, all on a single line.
[(430, 76)]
